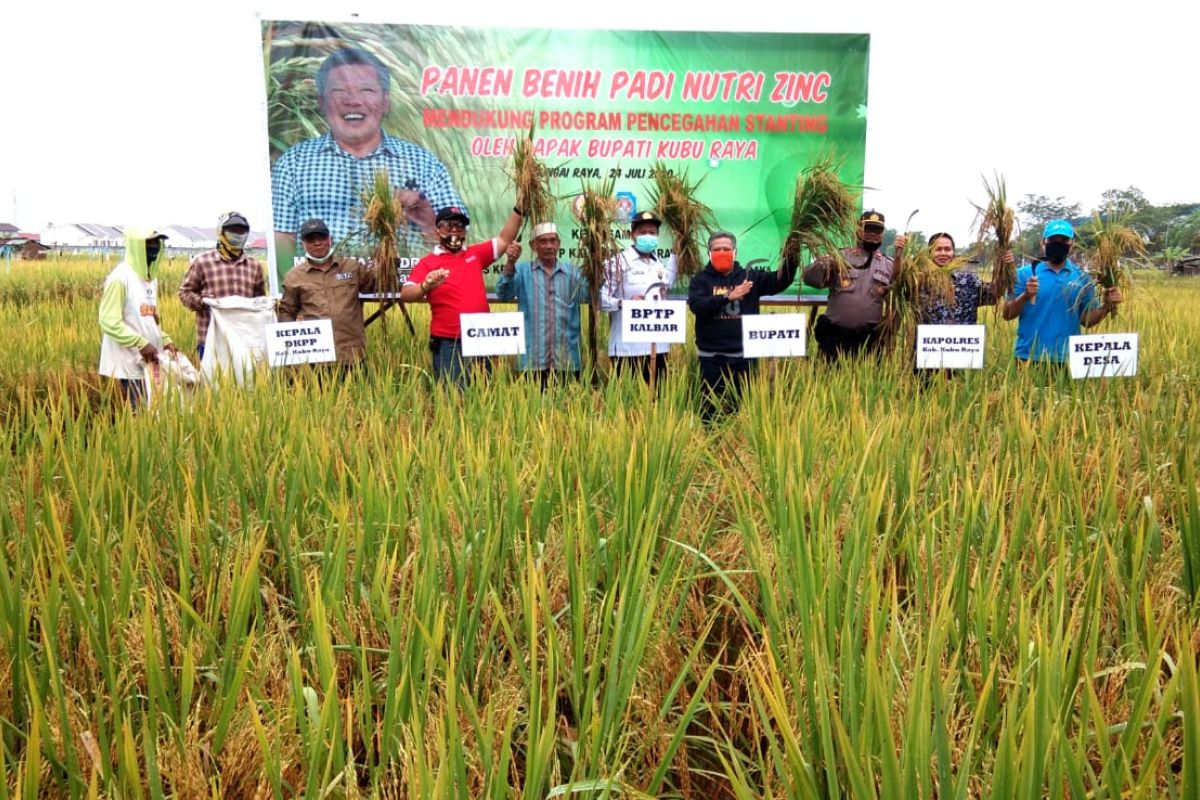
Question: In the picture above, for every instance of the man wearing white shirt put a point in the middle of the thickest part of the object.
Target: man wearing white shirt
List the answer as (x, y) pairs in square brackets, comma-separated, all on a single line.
[(637, 273)]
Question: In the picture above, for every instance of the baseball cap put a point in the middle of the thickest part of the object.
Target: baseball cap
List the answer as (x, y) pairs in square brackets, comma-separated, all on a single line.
[(1058, 227), (313, 226), (451, 214), (231, 218)]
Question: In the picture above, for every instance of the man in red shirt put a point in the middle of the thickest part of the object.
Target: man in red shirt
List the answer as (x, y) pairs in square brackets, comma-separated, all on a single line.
[(451, 279)]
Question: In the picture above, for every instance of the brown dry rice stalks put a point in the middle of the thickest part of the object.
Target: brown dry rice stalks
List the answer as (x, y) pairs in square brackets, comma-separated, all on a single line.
[(531, 180), (824, 211), (996, 217), (598, 243), (675, 200)]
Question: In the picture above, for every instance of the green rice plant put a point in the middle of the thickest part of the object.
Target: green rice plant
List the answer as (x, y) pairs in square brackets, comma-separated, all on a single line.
[(857, 585)]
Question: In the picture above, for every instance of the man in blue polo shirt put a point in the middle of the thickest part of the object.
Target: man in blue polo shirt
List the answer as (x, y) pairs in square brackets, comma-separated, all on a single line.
[(1058, 297)]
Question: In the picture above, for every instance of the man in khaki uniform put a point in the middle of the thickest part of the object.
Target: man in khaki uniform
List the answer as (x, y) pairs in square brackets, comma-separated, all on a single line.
[(852, 314), (324, 287)]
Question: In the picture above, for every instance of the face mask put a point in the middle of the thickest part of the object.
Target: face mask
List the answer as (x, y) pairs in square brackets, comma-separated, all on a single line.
[(321, 261), (453, 242), (1056, 252), (722, 260), (236, 240), (646, 244), (153, 248), (869, 247)]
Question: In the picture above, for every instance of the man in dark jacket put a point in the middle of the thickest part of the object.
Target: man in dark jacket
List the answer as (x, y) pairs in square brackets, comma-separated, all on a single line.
[(719, 295)]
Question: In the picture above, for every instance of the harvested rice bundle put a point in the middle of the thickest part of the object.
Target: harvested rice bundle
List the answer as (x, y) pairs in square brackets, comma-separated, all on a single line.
[(996, 217), (824, 215), (1110, 243), (687, 218), (383, 216), (531, 179), (599, 245)]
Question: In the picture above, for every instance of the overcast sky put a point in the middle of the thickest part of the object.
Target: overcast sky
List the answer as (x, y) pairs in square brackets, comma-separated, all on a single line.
[(117, 116)]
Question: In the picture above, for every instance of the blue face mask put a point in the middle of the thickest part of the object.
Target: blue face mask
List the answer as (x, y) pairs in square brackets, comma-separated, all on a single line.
[(646, 244)]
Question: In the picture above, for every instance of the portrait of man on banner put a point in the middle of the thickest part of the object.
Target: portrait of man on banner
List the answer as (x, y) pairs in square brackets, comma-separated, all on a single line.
[(327, 175)]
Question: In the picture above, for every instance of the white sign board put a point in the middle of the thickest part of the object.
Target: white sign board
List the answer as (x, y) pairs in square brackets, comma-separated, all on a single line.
[(498, 334), (950, 346), (1103, 355), (772, 335), (306, 342), (649, 321)]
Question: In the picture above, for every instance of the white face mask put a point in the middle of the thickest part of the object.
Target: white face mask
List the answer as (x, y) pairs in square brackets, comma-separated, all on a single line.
[(236, 239), (316, 260)]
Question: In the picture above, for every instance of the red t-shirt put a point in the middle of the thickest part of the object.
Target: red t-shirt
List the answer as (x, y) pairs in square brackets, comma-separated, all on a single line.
[(462, 292)]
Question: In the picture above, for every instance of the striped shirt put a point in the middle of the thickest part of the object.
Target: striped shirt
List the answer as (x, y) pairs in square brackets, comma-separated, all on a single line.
[(317, 179), (212, 275), (550, 304)]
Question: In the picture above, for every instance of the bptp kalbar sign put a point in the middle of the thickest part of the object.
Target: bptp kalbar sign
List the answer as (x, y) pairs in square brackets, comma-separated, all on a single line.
[(775, 335), (1103, 355), (650, 321), (498, 334), (309, 341), (950, 346)]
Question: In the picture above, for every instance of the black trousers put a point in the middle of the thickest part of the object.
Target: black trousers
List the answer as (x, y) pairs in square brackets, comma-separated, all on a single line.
[(834, 341), (722, 379)]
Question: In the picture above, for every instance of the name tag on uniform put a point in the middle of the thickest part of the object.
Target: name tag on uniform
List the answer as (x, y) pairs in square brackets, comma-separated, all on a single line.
[(307, 342)]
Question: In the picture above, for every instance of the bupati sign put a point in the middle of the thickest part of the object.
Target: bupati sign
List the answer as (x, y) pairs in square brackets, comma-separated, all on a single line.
[(770, 335), (744, 111)]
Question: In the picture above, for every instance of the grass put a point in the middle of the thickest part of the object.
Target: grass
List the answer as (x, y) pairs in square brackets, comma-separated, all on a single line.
[(856, 587)]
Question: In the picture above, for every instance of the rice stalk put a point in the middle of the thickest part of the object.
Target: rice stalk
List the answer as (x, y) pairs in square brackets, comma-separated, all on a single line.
[(823, 218), (1110, 245), (531, 179), (599, 245), (383, 218), (996, 217), (674, 197)]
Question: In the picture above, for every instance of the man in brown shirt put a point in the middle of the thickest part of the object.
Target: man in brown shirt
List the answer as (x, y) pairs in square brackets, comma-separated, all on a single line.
[(324, 287), (855, 306), (224, 272)]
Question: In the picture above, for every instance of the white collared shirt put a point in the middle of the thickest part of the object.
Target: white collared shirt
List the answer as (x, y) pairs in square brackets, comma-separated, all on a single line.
[(628, 275)]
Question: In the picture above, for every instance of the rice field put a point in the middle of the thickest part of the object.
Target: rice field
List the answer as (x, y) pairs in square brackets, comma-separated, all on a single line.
[(858, 586)]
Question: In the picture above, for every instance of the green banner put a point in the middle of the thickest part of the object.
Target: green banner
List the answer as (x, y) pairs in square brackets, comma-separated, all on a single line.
[(440, 108)]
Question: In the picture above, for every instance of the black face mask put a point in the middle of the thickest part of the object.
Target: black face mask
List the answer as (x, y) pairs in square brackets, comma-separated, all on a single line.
[(869, 247), (1056, 252), (152, 249), (452, 243)]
